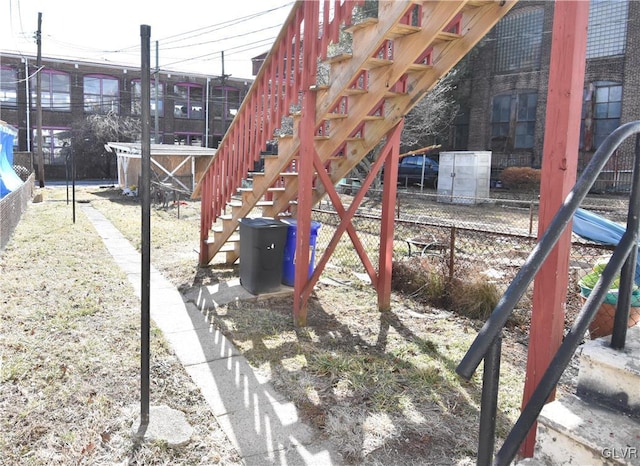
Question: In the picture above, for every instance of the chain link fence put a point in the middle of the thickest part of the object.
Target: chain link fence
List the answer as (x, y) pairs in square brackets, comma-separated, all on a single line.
[(485, 237), (11, 208)]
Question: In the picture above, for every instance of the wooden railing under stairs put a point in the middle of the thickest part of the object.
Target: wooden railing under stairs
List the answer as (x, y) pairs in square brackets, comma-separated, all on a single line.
[(396, 54)]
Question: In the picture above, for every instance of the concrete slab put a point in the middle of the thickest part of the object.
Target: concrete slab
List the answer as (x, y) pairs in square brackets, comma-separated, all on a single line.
[(571, 431), (201, 345), (185, 317), (262, 434), (231, 385), (223, 293), (166, 425), (610, 375), (263, 425), (219, 294), (298, 455)]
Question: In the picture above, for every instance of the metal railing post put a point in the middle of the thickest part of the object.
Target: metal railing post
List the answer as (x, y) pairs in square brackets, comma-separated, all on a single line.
[(628, 274), (489, 403), (452, 252)]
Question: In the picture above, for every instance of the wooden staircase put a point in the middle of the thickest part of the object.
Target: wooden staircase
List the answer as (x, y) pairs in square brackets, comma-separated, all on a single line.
[(397, 55)]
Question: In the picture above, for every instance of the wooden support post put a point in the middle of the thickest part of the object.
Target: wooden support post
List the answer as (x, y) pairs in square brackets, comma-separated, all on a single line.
[(559, 164), (389, 193), (306, 132)]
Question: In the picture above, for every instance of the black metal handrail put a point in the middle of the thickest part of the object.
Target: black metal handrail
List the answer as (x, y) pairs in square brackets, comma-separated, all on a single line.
[(487, 343)]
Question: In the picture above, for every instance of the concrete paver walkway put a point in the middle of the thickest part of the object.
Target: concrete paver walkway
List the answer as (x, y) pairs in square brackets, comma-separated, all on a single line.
[(264, 427)]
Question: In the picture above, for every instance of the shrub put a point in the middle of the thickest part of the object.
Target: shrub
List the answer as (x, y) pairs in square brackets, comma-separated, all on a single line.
[(521, 178), (420, 279), (468, 294), (475, 298)]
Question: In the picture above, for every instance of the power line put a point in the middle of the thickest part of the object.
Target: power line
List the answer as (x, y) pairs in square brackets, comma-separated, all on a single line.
[(212, 28), (222, 40), (179, 41)]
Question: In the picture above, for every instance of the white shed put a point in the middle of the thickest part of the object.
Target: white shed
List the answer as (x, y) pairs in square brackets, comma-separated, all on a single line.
[(464, 177), (180, 166)]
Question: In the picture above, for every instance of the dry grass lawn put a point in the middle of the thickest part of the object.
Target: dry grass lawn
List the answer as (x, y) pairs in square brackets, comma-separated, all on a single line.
[(382, 386)]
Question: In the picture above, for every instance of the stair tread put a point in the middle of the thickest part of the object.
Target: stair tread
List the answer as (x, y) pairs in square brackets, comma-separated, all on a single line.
[(219, 229), (404, 29), (234, 238), (338, 58), (590, 424), (623, 360), (227, 247), (360, 25), (611, 375)]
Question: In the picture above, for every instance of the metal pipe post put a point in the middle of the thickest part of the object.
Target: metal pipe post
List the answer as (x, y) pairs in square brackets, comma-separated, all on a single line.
[(145, 320), (628, 275), (489, 404)]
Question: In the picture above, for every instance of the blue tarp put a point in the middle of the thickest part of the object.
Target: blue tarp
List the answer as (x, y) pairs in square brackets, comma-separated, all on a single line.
[(600, 230), (9, 180)]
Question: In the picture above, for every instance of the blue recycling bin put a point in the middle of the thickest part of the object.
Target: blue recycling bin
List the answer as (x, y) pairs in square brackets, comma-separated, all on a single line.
[(289, 255), (261, 245)]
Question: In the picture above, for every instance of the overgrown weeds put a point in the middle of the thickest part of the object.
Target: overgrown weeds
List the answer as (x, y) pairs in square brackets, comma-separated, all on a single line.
[(427, 280)]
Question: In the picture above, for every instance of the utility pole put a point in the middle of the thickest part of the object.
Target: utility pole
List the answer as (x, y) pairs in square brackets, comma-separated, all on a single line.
[(223, 99), (39, 102)]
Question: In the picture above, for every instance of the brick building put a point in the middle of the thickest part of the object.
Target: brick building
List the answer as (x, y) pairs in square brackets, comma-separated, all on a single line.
[(192, 109), (503, 96)]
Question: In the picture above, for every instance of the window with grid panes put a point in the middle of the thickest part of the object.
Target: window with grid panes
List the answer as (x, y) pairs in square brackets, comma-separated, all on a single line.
[(56, 90), (518, 41), (101, 94), (513, 121), (8, 87), (53, 142), (188, 102), (607, 32), (601, 112), (525, 120), (136, 98), (500, 116)]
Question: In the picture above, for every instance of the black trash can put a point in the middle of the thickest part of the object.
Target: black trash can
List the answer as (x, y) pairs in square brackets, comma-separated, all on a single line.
[(262, 243)]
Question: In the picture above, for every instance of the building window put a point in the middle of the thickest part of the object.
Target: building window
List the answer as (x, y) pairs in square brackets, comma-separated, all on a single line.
[(8, 87), (601, 111), (54, 139), (136, 98), (55, 93), (101, 94), (188, 139), (226, 102), (188, 101), (607, 33), (513, 119), (526, 105), (518, 41)]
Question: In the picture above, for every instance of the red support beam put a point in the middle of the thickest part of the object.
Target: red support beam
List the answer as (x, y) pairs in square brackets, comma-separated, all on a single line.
[(559, 165), (305, 173), (390, 189), (392, 144)]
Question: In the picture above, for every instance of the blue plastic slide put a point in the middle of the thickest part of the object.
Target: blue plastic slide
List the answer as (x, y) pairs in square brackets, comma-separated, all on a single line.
[(9, 180), (596, 228)]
